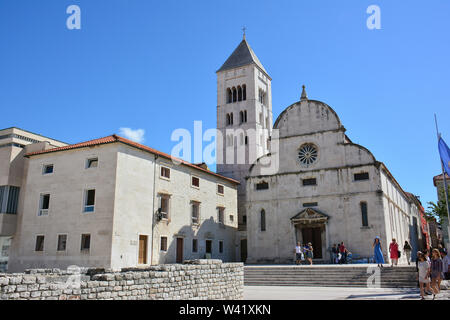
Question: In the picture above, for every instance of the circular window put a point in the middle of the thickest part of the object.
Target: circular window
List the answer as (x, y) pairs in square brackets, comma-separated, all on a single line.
[(307, 154)]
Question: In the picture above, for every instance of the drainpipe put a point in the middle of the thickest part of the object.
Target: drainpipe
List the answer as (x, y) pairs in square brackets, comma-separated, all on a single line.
[(153, 209)]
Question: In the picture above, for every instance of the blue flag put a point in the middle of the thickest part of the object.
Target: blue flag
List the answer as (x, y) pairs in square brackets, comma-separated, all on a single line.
[(444, 151)]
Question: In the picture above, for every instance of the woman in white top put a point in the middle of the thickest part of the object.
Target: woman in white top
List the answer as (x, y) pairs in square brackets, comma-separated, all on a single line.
[(424, 274)]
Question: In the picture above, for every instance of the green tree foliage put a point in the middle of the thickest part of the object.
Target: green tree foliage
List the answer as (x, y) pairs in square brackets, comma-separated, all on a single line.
[(437, 210)]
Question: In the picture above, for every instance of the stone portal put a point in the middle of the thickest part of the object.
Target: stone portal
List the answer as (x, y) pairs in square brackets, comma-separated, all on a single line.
[(310, 226)]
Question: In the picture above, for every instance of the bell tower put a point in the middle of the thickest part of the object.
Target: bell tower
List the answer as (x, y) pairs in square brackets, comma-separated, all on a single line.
[(244, 117)]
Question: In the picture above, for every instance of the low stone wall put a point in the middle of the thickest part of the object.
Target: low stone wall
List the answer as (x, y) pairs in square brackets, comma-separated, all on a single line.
[(195, 279)]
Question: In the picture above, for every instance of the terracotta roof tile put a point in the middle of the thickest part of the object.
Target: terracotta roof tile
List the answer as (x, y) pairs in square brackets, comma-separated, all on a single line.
[(115, 138)]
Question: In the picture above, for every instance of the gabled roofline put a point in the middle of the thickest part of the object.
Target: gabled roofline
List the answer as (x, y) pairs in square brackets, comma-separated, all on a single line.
[(118, 139), (275, 125), (37, 134)]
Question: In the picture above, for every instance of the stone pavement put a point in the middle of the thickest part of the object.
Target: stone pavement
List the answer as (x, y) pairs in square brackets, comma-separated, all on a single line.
[(333, 293)]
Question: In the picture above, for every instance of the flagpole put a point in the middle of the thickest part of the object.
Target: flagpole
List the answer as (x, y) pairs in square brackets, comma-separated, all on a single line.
[(445, 184)]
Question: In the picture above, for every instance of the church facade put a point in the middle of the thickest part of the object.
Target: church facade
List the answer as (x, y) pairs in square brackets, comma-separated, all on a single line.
[(303, 179)]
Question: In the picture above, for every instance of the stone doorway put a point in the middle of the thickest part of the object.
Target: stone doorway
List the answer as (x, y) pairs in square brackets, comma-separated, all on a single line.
[(313, 235), (310, 226)]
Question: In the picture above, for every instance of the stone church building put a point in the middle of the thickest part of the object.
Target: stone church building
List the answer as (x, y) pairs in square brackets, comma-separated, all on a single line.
[(302, 178)]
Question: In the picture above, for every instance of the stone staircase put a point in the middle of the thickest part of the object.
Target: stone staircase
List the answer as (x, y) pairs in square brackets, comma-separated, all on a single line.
[(328, 276)]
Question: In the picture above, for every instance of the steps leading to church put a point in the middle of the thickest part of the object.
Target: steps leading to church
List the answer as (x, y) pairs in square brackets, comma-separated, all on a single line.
[(328, 276)]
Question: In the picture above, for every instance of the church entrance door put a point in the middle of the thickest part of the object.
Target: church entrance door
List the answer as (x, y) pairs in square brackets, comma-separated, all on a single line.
[(313, 235)]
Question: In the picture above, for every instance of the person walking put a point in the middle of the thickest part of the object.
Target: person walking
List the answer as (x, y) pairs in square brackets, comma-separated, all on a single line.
[(445, 265), (298, 253), (393, 249), (377, 252), (407, 249), (424, 274), (343, 252), (334, 253), (309, 253), (436, 271)]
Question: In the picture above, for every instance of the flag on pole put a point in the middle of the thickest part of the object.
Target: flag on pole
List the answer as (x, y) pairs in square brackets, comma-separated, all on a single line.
[(444, 151)]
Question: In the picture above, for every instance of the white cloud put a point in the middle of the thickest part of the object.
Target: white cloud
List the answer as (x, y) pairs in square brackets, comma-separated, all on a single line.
[(134, 135)]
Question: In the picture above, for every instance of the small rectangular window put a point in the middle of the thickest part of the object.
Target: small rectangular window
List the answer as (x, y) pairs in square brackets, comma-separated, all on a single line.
[(195, 212), (195, 182), (361, 176), (194, 245), (165, 172), (48, 168), (262, 186), (220, 189), (231, 218), (39, 243), (89, 201), (164, 206), (163, 243), (220, 246), (85, 241), (244, 219), (62, 241), (220, 214), (92, 163), (309, 182), (44, 205), (310, 204)]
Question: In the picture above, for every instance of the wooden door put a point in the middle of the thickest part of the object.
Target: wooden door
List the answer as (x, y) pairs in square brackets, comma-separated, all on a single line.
[(179, 250), (243, 250), (313, 235), (142, 250)]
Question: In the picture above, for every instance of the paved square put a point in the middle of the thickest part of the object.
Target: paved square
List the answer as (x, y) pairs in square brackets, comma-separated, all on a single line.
[(335, 293)]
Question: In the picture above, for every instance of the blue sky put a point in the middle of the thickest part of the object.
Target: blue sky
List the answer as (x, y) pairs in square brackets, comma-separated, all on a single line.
[(151, 65)]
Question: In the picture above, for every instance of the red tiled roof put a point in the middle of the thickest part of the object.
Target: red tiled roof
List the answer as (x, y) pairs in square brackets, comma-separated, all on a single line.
[(115, 138)]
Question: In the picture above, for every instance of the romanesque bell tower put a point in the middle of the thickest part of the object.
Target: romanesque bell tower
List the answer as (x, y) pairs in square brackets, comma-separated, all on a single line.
[(244, 117)]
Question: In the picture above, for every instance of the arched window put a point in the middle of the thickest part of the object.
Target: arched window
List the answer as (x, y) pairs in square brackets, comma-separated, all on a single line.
[(365, 220), (234, 94), (229, 96), (263, 220), (228, 119), (239, 90), (244, 92), (241, 117), (245, 116), (231, 118)]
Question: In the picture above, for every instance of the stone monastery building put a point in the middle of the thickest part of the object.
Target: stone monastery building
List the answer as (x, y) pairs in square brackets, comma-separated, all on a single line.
[(302, 178)]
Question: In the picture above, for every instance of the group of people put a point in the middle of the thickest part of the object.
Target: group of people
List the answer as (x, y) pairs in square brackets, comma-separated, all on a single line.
[(432, 270), (304, 252), (394, 252), (339, 253)]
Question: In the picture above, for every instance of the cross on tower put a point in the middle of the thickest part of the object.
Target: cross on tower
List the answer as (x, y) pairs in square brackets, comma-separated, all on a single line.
[(243, 30)]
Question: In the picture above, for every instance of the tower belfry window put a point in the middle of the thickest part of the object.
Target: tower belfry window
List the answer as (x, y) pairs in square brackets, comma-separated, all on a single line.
[(229, 96), (244, 92), (234, 94), (239, 90)]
